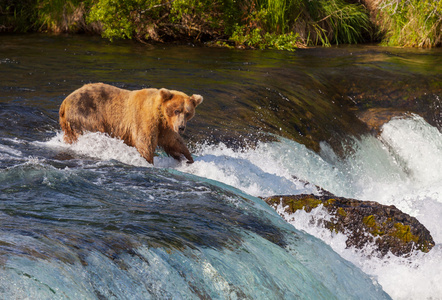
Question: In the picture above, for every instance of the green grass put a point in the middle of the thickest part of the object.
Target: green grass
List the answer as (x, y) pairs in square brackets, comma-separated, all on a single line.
[(412, 23), (308, 23), (337, 22), (58, 15)]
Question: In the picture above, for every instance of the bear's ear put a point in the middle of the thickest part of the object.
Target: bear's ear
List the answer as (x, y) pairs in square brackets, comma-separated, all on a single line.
[(166, 95), (196, 99)]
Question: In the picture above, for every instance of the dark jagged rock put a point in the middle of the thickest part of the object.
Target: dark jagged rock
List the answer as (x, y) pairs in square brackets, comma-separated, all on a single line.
[(364, 222)]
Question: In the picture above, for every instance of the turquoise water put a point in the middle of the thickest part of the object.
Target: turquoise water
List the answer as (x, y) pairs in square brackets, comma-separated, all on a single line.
[(82, 228)]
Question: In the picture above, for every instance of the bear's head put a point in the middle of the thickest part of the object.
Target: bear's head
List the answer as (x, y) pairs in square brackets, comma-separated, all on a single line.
[(178, 108)]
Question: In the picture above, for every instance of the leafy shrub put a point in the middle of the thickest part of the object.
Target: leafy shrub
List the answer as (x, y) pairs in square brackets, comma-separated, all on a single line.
[(256, 39), (277, 24), (161, 20)]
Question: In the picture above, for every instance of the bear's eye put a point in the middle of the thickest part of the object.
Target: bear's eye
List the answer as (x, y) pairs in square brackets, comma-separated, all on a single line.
[(177, 112)]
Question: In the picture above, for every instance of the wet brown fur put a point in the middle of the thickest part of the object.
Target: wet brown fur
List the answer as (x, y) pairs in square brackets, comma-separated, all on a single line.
[(143, 119)]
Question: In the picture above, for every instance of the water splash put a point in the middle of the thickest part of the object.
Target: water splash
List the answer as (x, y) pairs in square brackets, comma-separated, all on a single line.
[(101, 146), (400, 167)]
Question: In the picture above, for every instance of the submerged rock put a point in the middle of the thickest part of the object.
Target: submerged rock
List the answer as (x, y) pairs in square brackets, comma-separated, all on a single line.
[(364, 222), (376, 117)]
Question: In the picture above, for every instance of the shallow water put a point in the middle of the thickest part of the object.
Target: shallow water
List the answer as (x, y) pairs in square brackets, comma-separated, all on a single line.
[(94, 220)]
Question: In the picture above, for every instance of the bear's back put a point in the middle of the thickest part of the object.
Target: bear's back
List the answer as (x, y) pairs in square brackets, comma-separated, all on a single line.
[(97, 98)]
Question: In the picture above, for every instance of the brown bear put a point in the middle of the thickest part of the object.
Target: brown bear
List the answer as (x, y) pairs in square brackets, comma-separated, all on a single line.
[(144, 118)]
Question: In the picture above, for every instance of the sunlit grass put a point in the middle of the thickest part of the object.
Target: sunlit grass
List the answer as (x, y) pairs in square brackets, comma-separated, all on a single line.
[(318, 22), (416, 23)]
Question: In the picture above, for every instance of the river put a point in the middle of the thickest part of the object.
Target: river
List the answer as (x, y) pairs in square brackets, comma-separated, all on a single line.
[(94, 220)]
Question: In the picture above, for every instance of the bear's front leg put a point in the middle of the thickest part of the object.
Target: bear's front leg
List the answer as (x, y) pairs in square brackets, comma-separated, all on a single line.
[(174, 146)]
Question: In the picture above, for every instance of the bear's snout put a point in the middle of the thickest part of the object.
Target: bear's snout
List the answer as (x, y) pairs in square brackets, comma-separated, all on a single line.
[(181, 129)]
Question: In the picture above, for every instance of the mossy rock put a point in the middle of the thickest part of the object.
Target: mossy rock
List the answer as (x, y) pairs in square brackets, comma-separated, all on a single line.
[(364, 222)]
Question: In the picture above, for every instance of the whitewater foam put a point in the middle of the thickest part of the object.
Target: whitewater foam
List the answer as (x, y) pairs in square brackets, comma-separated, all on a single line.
[(8, 152), (416, 276), (400, 167), (101, 146), (254, 171)]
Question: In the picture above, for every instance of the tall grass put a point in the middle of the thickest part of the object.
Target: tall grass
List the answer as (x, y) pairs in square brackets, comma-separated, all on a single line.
[(319, 22), (416, 23), (59, 15), (278, 14), (336, 22)]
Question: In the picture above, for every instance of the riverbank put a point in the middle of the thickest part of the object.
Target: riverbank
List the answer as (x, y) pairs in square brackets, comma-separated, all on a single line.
[(257, 24)]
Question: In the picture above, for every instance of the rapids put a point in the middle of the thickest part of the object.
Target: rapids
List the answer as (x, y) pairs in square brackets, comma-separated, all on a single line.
[(93, 220), (385, 169)]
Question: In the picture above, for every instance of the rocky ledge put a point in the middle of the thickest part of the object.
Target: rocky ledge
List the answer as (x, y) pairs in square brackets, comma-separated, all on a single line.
[(364, 222)]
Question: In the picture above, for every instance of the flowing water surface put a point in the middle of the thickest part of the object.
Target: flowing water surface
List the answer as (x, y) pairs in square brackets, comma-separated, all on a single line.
[(94, 220)]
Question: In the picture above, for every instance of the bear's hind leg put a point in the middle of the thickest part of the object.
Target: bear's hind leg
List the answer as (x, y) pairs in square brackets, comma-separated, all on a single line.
[(70, 136)]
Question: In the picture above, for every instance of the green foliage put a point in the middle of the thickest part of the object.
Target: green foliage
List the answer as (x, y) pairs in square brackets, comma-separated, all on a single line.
[(119, 18), (278, 24), (158, 19), (288, 41), (43, 15), (256, 39), (411, 22), (318, 22), (259, 24), (17, 15), (279, 15), (58, 15)]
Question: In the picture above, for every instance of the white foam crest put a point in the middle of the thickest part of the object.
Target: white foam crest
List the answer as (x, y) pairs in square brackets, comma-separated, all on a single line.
[(270, 168), (415, 277), (429, 212), (312, 223), (7, 152), (370, 172), (102, 146), (258, 172), (417, 148), (418, 144), (401, 167)]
